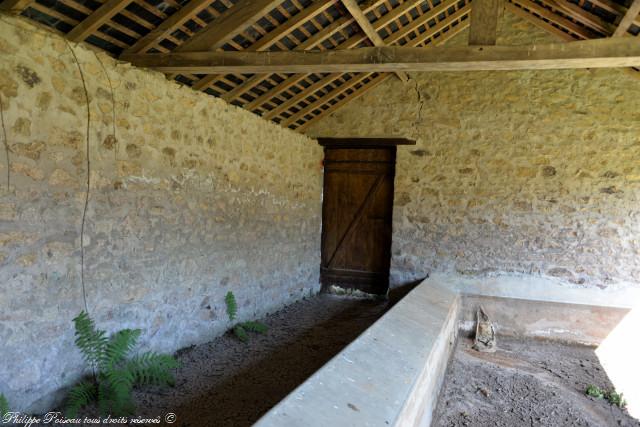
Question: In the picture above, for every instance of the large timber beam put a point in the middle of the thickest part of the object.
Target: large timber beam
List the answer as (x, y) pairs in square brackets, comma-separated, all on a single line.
[(601, 53), (484, 22), (627, 19), (367, 28)]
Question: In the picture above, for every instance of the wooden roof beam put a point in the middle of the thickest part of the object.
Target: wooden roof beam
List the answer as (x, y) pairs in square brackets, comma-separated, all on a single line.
[(600, 53), (230, 24), (579, 14), (168, 26), (577, 30), (375, 81), (484, 22), (540, 23), (14, 6), (310, 43), (320, 101), (301, 96), (627, 19), (285, 29), (357, 93), (368, 29), (97, 19)]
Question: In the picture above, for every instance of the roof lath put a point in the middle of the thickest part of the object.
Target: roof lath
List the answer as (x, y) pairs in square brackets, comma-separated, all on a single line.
[(297, 100)]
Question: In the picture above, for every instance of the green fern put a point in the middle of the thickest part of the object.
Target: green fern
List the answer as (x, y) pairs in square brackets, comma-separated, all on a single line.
[(119, 346), (115, 374), (232, 306), (240, 330), (241, 333), (90, 341), (80, 396), (152, 368), (4, 405), (253, 326)]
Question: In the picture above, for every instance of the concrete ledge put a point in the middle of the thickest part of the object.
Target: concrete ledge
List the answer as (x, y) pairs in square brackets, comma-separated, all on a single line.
[(538, 288), (390, 375)]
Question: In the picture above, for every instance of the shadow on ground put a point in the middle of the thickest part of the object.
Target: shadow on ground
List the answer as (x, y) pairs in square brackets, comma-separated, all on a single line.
[(228, 383)]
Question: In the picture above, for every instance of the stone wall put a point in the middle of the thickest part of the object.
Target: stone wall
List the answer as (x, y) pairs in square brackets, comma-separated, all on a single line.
[(532, 172), (189, 198)]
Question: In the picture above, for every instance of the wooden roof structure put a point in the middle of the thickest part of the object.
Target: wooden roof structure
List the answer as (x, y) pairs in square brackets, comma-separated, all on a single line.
[(297, 100)]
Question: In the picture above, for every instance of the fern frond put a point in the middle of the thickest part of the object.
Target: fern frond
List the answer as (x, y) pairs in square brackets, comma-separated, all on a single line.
[(116, 376), (241, 333), (152, 368), (89, 340), (105, 399), (118, 390), (4, 405), (256, 327), (120, 382), (119, 346), (80, 396), (232, 306)]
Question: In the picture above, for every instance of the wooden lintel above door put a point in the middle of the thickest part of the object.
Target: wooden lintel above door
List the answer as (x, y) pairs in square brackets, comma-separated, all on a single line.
[(364, 142)]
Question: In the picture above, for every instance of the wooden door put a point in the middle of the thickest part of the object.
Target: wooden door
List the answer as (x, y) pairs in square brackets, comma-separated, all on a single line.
[(356, 217)]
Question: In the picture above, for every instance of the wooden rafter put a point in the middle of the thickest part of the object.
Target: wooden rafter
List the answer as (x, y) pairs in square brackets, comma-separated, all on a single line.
[(168, 26), (311, 43), (94, 21), (269, 41), (368, 29), (628, 19), (448, 27), (14, 6), (299, 100), (452, 31), (229, 25), (341, 103), (548, 15), (540, 23), (484, 22), (582, 16), (388, 19)]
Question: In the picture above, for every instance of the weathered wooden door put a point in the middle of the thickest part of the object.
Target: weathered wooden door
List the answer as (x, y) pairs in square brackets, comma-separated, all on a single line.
[(356, 214)]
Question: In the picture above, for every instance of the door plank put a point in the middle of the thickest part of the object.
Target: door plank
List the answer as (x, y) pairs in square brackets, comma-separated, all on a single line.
[(357, 217)]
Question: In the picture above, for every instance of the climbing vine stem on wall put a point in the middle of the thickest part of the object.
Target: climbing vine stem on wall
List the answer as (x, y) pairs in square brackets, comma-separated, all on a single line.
[(88, 187), (5, 140), (113, 99)]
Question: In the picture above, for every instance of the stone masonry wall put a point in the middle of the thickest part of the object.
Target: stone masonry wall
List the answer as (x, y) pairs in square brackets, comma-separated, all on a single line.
[(189, 198), (534, 172)]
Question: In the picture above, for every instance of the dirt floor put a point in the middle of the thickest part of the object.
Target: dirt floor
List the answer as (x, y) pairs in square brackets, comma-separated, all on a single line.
[(229, 383), (525, 383)]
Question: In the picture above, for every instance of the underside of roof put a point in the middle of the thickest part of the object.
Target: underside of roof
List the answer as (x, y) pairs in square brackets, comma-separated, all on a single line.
[(297, 100)]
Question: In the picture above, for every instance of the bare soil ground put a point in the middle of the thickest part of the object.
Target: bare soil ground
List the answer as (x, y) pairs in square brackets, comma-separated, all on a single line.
[(525, 383), (228, 383)]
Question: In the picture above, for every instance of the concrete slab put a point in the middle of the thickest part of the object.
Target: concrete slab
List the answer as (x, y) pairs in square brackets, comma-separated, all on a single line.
[(390, 375)]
